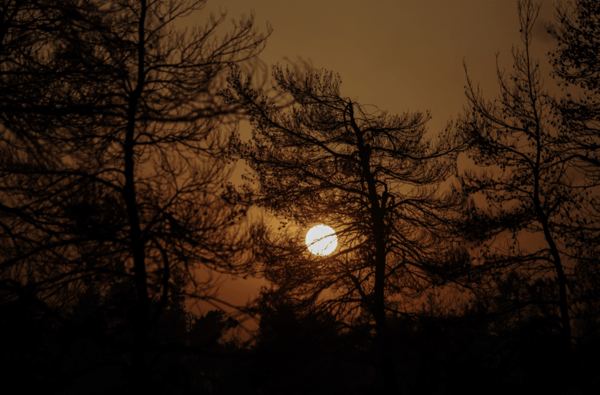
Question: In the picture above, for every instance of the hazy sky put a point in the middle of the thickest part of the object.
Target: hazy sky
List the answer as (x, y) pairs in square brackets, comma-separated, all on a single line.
[(399, 55)]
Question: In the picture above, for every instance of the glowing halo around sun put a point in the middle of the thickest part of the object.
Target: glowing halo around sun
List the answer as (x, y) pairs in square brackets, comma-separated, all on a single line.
[(321, 240)]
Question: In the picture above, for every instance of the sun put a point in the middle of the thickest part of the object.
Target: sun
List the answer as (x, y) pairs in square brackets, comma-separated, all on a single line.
[(321, 240)]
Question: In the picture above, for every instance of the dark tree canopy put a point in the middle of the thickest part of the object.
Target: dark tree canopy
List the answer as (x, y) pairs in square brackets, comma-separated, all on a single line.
[(576, 64), (375, 178), (522, 173), (529, 213), (130, 133), (117, 133), (111, 167)]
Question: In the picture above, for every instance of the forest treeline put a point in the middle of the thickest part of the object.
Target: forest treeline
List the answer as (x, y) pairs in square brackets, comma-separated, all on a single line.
[(467, 258)]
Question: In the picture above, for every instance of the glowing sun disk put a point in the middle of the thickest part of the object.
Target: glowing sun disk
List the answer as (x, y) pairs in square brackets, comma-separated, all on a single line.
[(321, 240)]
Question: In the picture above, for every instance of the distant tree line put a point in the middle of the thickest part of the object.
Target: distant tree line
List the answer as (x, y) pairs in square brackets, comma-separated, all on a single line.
[(117, 137)]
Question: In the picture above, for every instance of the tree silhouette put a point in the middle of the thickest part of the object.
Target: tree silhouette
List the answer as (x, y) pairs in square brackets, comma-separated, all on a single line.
[(526, 185), (576, 64), (525, 175), (373, 177), (299, 351), (112, 166)]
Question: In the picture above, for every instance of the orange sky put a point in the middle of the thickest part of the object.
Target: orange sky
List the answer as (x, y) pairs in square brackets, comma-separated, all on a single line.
[(396, 54), (399, 55)]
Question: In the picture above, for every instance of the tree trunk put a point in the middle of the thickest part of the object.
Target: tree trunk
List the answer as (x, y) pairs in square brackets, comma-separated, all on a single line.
[(377, 229), (386, 358), (141, 315)]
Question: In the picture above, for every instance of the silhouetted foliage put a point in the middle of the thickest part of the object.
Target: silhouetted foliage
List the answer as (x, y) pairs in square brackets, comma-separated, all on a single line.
[(303, 350), (375, 178), (528, 236), (576, 65), (525, 181), (115, 214), (112, 167)]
